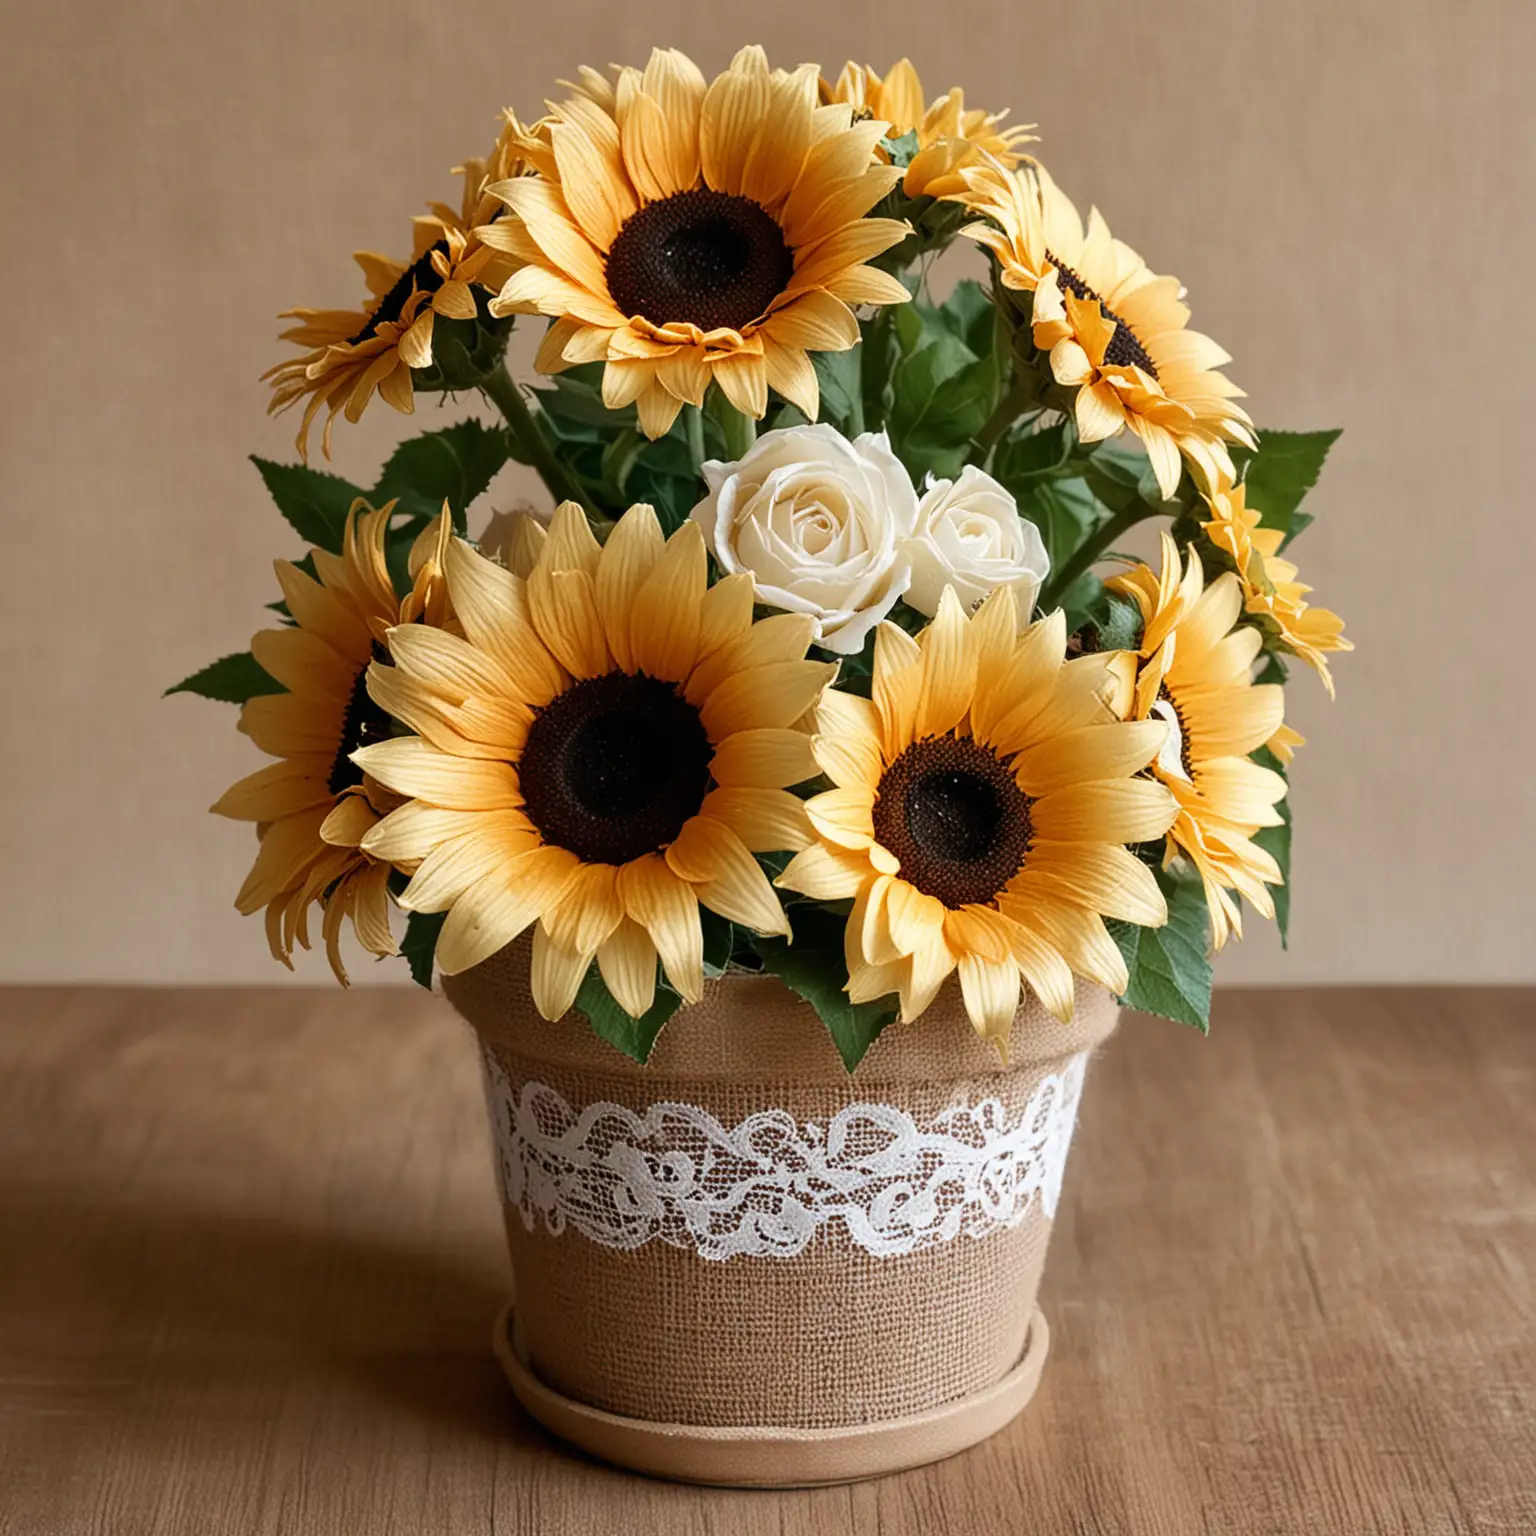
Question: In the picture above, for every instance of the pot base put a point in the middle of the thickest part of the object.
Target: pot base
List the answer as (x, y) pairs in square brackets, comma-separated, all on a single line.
[(749, 1456)]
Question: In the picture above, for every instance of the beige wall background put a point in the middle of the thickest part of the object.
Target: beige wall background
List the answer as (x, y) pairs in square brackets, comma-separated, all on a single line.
[(1344, 185)]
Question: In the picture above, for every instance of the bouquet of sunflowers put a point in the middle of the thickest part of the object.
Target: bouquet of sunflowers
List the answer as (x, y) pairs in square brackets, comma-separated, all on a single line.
[(822, 660)]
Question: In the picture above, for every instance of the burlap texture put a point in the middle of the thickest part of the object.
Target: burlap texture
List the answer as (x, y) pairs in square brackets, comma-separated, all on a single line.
[(833, 1336)]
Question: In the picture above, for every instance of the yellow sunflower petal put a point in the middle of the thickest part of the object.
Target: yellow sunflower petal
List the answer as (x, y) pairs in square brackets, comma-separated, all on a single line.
[(664, 623), (665, 906), (563, 606), (588, 910), (1113, 811), (770, 757), (826, 874), (843, 816), (775, 695), (280, 789), (725, 876), (766, 820), (626, 959), (489, 915), (555, 975), (949, 669), (627, 560), (1089, 752), (990, 990), (896, 687), (410, 766), (847, 740), (458, 863)]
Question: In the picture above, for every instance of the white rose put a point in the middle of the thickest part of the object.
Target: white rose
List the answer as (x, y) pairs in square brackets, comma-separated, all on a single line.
[(970, 536), (819, 523)]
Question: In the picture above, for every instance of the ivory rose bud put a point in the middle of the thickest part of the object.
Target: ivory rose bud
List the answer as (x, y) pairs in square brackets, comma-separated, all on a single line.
[(970, 536), (819, 523)]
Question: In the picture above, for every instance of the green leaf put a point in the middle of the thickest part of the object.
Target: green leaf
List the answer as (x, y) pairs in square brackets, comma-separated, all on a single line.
[(841, 380), (1284, 469), (316, 504), (1064, 511), (635, 1037), (1024, 457), (1170, 967), (902, 149), (419, 946), (231, 679), (1121, 475), (454, 465), (1276, 842), (939, 407), (1274, 670), (813, 967), (967, 314), (1120, 628), (719, 940)]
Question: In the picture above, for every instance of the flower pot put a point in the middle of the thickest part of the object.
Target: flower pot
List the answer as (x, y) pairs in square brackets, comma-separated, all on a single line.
[(739, 1264)]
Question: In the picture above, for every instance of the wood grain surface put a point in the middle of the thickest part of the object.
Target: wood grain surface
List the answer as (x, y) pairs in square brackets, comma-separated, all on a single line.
[(250, 1255)]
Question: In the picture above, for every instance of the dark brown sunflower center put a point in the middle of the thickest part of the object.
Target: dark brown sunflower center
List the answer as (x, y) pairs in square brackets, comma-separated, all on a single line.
[(708, 258), (614, 766), (363, 724), (1124, 349), (952, 813), (420, 274)]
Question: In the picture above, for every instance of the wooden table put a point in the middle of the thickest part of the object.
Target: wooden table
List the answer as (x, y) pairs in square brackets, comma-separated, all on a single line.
[(250, 1255)]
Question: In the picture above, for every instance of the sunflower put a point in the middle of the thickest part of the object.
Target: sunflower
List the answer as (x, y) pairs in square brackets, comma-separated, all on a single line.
[(604, 751), (1116, 332), (351, 353), (948, 136), (681, 233), (982, 799), (1270, 588), (1194, 671), (313, 807)]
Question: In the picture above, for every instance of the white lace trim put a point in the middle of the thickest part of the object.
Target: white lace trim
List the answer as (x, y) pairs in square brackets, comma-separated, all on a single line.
[(766, 1186)]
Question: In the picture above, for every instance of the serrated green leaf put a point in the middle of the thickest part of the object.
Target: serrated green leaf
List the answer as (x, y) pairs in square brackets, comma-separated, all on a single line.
[(1283, 470), (454, 465), (635, 1037), (419, 946), (1276, 842), (230, 679), (1170, 967), (316, 504), (813, 968)]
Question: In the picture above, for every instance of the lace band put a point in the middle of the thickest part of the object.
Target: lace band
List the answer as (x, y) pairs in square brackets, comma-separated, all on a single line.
[(767, 1185)]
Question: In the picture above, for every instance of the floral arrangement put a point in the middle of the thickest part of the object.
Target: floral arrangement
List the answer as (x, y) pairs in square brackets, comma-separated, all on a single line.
[(824, 663)]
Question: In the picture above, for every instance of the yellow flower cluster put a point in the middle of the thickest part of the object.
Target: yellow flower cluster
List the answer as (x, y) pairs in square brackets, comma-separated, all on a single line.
[(594, 731)]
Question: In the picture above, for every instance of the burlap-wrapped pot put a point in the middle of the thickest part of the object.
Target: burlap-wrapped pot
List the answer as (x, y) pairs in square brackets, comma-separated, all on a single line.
[(740, 1264)]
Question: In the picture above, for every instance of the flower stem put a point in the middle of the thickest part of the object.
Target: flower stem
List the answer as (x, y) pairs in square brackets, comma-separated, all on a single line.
[(693, 422), (740, 431), (875, 367), (1014, 403), (1081, 558), (499, 388)]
